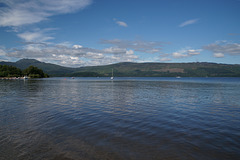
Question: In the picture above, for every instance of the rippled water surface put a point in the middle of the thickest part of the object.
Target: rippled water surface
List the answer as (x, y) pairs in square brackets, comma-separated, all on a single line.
[(128, 118)]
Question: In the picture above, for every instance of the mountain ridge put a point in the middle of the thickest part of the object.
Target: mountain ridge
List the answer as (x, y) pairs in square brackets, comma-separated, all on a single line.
[(132, 69)]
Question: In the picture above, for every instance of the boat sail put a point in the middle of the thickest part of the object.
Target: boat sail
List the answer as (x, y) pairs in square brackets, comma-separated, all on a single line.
[(112, 75)]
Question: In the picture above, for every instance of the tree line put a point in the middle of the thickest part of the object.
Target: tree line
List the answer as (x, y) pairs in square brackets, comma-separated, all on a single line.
[(31, 71)]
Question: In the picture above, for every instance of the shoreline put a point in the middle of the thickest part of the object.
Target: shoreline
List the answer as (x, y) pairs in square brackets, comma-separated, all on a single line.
[(12, 78)]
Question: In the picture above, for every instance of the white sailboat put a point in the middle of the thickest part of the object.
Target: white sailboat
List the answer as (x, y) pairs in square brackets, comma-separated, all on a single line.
[(112, 75)]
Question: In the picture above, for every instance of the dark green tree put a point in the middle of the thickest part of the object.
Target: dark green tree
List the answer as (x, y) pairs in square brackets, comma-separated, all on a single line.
[(10, 71), (34, 72)]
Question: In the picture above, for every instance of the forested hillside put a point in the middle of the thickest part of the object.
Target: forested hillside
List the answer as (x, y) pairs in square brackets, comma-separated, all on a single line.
[(128, 69)]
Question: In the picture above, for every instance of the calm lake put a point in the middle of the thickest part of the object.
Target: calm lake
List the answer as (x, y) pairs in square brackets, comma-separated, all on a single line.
[(127, 118)]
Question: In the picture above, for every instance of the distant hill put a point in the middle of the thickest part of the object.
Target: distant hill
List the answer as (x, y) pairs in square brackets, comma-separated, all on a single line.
[(166, 70), (128, 69), (51, 69)]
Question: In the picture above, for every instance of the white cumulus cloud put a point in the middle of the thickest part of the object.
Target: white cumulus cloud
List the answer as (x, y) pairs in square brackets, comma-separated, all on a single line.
[(188, 22), (137, 45), (77, 46), (179, 55), (220, 48), (218, 55), (121, 23), (186, 53), (164, 59)]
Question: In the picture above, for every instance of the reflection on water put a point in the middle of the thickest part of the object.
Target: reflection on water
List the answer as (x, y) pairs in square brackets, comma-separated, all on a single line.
[(128, 118)]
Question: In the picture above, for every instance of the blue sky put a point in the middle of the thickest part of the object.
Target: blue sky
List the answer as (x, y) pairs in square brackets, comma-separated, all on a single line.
[(77, 33)]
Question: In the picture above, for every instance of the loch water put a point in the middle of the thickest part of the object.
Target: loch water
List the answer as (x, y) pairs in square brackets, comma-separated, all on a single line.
[(124, 118)]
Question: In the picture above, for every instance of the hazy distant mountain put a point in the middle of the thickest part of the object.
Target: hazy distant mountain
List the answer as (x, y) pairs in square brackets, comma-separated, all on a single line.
[(136, 69)]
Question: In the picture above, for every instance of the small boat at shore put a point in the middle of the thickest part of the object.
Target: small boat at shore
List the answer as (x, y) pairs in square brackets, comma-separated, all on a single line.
[(25, 77)]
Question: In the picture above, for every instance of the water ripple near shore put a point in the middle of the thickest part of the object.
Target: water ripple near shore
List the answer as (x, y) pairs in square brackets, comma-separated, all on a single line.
[(76, 119)]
